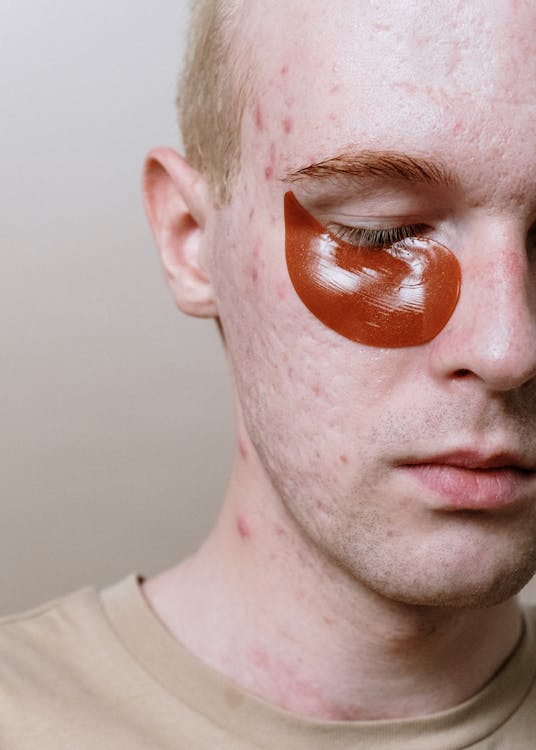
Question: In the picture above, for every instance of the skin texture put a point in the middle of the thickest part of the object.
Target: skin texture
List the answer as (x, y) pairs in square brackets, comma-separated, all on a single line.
[(342, 586)]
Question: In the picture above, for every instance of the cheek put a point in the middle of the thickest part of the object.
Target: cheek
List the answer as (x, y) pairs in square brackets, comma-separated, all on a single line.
[(400, 296)]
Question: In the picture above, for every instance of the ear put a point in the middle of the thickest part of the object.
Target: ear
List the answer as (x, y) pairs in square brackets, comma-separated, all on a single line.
[(176, 202)]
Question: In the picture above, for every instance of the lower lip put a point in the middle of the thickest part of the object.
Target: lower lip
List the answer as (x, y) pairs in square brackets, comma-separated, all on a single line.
[(473, 489)]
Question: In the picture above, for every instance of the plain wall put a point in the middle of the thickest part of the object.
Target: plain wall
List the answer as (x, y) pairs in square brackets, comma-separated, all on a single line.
[(115, 409)]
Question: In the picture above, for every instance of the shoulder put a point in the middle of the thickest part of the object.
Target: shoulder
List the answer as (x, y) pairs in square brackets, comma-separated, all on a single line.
[(54, 661), (37, 646)]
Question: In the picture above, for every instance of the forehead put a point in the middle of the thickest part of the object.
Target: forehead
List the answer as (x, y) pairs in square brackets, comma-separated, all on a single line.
[(397, 74)]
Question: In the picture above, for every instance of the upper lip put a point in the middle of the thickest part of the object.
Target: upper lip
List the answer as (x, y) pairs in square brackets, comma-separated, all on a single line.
[(471, 459)]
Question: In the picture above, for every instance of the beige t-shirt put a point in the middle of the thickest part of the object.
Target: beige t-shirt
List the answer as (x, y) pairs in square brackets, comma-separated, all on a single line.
[(99, 671)]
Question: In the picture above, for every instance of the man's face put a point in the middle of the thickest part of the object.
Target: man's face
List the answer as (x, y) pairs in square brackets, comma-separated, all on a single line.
[(337, 424)]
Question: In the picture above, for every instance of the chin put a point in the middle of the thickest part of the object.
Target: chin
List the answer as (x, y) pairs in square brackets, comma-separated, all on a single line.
[(467, 570), (461, 595)]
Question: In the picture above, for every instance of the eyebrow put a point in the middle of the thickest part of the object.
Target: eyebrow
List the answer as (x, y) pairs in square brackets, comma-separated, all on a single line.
[(392, 165)]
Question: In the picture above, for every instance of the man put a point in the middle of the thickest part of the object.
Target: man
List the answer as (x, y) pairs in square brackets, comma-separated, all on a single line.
[(358, 213)]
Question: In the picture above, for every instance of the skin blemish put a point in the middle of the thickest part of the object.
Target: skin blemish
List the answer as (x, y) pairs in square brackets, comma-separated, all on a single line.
[(290, 373), (259, 118), (243, 449), (284, 70), (333, 117), (243, 528), (269, 172), (381, 27), (254, 275), (317, 390), (343, 459), (251, 215), (335, 89), (288, 125), (399, 295)]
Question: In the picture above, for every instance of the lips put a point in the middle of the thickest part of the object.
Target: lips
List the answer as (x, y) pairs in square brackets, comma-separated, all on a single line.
[(468, 480)]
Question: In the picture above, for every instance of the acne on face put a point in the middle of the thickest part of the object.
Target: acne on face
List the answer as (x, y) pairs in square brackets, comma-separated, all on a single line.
[(373, 404)]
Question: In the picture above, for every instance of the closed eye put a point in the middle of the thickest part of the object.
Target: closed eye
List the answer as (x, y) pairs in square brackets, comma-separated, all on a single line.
[(376, 238)]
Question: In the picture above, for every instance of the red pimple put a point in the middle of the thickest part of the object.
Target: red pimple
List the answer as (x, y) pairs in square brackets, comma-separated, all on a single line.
[(288, 125), (335, 89), (243, 528), (242, 447), (259, 119), (254, 275), (284, 70), (317, 390), (280, 531), (251, 214), (290, 373), (344, 459), (269, 172), (320, 505)]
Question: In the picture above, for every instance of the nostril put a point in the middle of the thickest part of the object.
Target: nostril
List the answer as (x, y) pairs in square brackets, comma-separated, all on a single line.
[(462, 373)]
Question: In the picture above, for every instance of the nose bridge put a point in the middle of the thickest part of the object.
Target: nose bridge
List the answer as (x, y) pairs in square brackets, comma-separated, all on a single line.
[(495, 322)]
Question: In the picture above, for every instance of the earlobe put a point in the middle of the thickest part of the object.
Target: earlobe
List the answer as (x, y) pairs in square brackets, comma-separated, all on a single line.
[(176, 202)]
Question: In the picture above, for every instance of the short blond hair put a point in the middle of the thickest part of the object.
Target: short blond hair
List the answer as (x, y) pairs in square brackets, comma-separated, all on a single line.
[(212, 92)]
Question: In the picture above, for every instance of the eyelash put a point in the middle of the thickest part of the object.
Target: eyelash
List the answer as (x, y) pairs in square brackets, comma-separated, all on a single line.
[(365, 237)]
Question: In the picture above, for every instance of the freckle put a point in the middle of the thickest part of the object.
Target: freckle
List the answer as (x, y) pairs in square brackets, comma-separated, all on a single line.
[(288, 125), (290, 373), (243, 449), (344, 459), (243, 528), (269, 172), (390, 533), (284, 70), (259, 120), (251, 214)]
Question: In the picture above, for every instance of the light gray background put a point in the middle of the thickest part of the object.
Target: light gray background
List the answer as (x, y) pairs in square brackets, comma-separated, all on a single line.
[(115, 410), (115, 413)]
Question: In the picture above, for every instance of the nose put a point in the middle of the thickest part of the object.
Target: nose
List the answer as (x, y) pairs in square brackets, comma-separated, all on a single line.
[(491, 336)]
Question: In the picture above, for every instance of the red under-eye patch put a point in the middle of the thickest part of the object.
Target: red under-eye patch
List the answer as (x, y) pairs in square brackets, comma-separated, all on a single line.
[(400, 295)]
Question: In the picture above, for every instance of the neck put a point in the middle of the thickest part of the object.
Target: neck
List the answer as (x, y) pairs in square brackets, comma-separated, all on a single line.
[(298, 631)]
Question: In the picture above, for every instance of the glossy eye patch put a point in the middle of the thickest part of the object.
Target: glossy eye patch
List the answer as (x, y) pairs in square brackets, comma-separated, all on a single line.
[(399, 295)]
